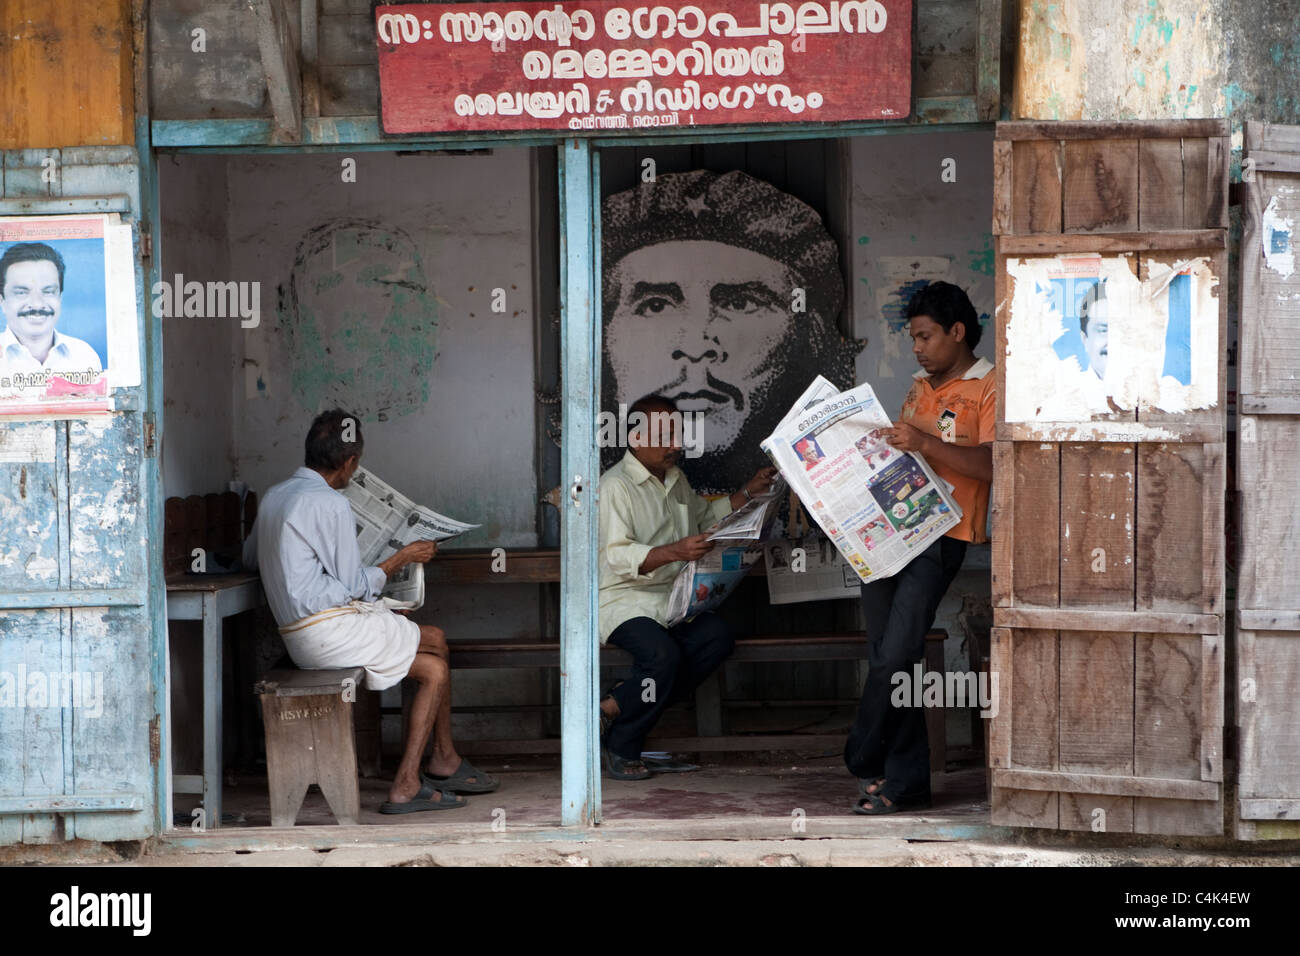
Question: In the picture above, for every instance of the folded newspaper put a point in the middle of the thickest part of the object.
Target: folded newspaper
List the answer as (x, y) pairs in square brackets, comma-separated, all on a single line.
[(388, 521), (879, 505), (701, 585)]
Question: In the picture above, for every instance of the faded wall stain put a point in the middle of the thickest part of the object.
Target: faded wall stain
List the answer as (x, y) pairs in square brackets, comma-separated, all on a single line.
[(360, 321)]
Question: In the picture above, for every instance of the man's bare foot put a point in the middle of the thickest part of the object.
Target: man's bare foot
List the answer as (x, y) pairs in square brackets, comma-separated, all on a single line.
[(405, 792), (442, 766), (873, 787)]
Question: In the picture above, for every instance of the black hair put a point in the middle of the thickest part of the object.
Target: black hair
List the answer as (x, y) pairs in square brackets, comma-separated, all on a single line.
[(1096, 293), (326, 448), (947, 305), (29, 252), (647, 403)]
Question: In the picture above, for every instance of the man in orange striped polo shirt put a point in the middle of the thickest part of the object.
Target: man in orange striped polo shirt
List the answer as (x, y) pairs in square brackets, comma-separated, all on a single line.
[(948, 417)]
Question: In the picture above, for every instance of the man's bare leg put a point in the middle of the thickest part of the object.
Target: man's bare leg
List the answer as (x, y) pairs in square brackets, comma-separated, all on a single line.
[(444, 761), (433, 687)]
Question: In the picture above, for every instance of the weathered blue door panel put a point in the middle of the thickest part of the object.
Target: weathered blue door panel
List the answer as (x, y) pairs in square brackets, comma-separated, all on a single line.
[(107, 524), (80, 734), (31, 731), (29, 545), (114, 733)]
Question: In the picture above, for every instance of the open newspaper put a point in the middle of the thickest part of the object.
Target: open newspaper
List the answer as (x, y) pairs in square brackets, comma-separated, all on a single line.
[(388, 521), (701, 585), (879, 505)]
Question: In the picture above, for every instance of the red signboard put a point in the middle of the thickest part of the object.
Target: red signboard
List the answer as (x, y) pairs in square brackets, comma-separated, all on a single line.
[(604, 65)]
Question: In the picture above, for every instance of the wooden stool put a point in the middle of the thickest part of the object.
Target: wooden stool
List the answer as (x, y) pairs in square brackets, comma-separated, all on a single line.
[(309, 739)]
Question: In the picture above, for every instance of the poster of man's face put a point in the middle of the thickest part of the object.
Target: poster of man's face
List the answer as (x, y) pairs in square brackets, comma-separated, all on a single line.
[(56, 287), (54, 305), (722, 293)]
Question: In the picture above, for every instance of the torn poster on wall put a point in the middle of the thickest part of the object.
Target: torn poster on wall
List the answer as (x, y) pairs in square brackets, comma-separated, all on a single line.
[(68, 300), (1087, 337)]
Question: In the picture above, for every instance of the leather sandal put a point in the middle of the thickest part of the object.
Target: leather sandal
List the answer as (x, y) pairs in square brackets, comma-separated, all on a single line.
[(459, 782), (865, 785), (873, 804), (424, 801), (621, 769)]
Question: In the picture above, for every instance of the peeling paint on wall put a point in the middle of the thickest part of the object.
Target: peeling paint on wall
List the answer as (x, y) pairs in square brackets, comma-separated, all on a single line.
[(1133, 59), (1278, 235), (27, 443)]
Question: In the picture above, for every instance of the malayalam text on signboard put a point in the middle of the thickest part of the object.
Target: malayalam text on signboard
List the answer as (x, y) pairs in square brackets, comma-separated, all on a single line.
[(601, 65)]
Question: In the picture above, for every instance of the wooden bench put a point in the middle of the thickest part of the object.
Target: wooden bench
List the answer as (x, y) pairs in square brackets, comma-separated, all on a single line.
[(310, 739), (542, 566)]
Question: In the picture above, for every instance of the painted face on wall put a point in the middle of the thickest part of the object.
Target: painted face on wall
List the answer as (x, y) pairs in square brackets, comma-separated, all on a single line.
[(698, 303), (32, 300), (1096, 336), (702, 323), (362, 321)]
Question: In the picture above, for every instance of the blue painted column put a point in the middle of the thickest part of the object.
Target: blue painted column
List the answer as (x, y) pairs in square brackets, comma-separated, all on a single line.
[(579, 468)]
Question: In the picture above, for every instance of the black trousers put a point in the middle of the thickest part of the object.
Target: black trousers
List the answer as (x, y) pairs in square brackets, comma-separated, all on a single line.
[(667, 665), (888, 741)]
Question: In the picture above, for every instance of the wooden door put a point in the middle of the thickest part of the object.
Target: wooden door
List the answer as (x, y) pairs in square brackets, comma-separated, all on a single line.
[(1268, 476), (1108, 518)]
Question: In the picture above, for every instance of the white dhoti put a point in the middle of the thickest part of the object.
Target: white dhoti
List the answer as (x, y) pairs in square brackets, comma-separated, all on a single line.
[(359, 634)]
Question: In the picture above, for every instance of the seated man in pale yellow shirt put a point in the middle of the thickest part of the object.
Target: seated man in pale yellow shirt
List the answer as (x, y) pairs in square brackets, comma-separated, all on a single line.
[(650, 522)]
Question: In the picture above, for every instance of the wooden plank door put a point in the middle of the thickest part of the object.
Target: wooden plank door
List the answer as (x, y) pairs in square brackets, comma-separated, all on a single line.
[(1108, 511), (1268, 476)]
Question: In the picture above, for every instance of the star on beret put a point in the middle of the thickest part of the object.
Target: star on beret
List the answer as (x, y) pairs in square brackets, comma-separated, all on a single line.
[(696, 204)]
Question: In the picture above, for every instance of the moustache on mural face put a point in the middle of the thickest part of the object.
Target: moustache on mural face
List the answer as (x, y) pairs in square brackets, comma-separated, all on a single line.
[(721, 393), (27, 313)]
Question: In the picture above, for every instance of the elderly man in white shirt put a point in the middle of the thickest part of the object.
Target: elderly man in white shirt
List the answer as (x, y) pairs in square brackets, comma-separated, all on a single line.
[(31, 299), (650, 522), (330, 614)]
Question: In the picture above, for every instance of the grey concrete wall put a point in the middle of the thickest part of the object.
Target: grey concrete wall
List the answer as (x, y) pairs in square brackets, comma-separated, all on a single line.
[(394, 319), (198, 420), (909, 227), (198, 358)]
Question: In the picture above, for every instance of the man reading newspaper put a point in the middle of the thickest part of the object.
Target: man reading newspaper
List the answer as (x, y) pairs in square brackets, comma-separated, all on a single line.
[(327, 605), (650, 522), (948, 417)]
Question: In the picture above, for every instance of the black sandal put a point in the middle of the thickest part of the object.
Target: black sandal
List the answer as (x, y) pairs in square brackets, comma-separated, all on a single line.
[(621, 769), (864, 786), (873, 804)]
